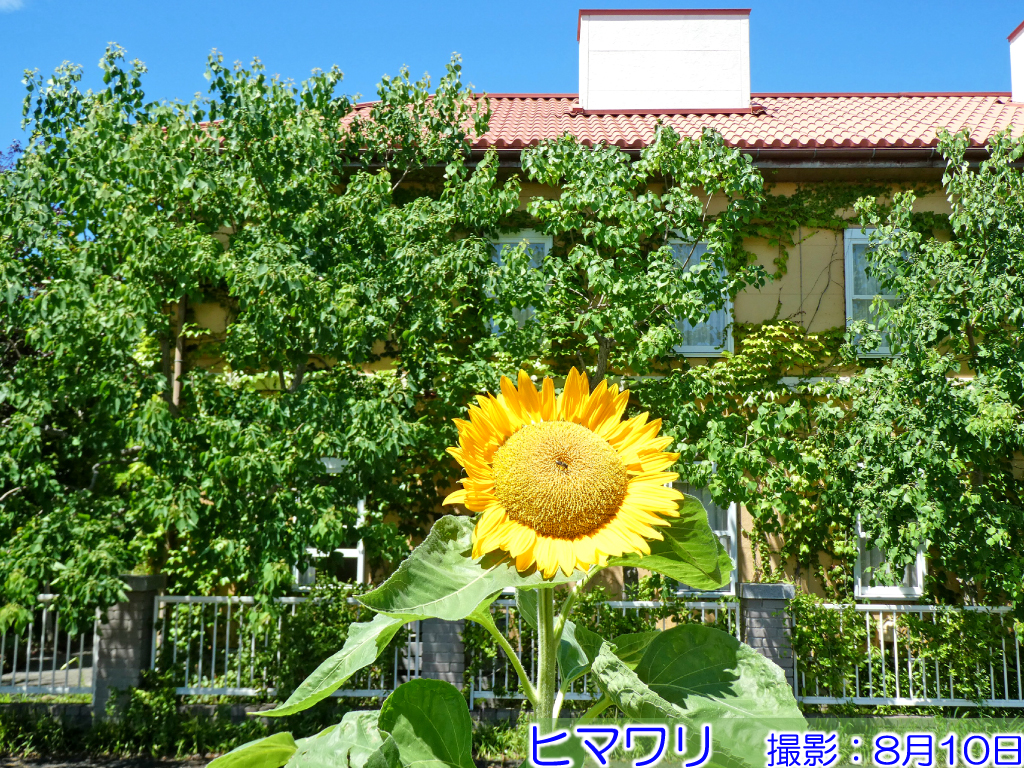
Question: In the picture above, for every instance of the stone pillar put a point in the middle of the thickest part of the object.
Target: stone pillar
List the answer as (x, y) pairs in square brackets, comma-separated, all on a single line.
[(125, 640), (767, 626), (443, 655)]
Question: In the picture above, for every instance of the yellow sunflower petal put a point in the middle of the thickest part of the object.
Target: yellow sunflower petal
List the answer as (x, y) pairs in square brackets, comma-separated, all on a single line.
[(525, 559), (566, 556), (573, 396), (547, 400), (456, 497)]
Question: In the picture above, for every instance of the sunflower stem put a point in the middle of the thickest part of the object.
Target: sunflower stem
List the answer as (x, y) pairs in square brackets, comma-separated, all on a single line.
[(570, 602), (548, 645)]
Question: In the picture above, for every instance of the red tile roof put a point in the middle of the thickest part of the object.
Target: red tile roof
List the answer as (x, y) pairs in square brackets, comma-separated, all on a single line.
[(779, 121)]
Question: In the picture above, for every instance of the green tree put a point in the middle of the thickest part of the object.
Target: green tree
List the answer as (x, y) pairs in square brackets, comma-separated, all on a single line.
[(935, 437), (135, 435)]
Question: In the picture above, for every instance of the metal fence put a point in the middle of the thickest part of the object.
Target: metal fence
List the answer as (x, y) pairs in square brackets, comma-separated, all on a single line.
[(44, 658), (914, 655), (492, 676), (220, 646)]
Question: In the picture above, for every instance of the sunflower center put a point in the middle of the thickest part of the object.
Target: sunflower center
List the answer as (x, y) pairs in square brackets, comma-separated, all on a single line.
[(559, 478)]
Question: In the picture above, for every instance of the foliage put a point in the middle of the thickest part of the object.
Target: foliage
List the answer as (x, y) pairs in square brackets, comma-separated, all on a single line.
[(684, 672), (143, 432), (594, 612), (835, 653), (830, 644), (942, 424), (826, 205), (750, 436), (613, 291), (202, 300)]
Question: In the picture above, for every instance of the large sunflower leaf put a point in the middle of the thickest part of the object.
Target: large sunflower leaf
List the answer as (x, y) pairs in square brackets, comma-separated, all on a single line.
[(269, 752), (690, 551), (578, 647), (692, 665), (366, 641), (353, 742), (430, 722), (577, 651), (627, 691), (714, 678), (440, 579), (631, 647)]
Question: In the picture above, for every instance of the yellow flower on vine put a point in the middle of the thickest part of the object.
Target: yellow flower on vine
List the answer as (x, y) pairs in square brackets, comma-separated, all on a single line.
[(563, 482)]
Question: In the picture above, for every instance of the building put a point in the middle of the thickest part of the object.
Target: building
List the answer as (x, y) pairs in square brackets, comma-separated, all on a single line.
[(690, 70)]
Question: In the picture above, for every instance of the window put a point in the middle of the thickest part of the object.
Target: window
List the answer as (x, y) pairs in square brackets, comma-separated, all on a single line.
[(712, 337), (723, 522), (538, 245), (861, 288), (335, 562), (874, 578)]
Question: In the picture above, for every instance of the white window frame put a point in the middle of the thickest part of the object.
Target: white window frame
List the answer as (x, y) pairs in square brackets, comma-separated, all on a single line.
[(305, 579), (862, 592), (851, 237), (531, 236), (700, 350), (730, 541)]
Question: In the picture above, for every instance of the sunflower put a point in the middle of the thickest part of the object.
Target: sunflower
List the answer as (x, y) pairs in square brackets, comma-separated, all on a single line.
[(563, 482)]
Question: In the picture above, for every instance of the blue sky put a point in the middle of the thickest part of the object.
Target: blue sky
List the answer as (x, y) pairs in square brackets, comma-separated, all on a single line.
[(527, 45)]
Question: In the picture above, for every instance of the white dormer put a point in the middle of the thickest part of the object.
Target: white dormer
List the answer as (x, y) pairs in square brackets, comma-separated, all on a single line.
[(1016, 39), (664, 60)]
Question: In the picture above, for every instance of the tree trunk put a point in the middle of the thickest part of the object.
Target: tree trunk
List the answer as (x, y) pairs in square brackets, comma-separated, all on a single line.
[(179, 357)]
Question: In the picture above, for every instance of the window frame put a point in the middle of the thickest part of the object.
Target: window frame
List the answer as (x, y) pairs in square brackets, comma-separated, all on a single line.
[(871, 593), (531, 236), (857, 236), (696, 350), (730, 540)]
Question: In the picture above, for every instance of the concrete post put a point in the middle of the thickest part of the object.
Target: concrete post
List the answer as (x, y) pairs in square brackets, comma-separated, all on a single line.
[(767, 626), (443, 654), (125, 640)]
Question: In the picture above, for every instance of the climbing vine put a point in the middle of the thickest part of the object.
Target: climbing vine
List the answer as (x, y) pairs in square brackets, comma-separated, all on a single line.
[(784, 220)]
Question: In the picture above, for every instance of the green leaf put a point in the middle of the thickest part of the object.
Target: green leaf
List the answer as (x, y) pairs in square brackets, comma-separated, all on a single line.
[(351, 742), (441, 580), (631, 647), (576, 652), (714, 678), (690, 552), (365, 642), (527, 605), (578, 646), (269, 752), (627, 691), (385, 756), (698, 667), (430, 723)]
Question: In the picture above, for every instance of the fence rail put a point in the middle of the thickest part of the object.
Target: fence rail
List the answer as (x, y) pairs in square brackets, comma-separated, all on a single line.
[(43, 658), (493, 676), (912, 655), (214, 646)]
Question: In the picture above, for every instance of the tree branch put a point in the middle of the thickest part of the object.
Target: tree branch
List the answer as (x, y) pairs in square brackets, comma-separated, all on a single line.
[(300, 373), (12, 492)]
